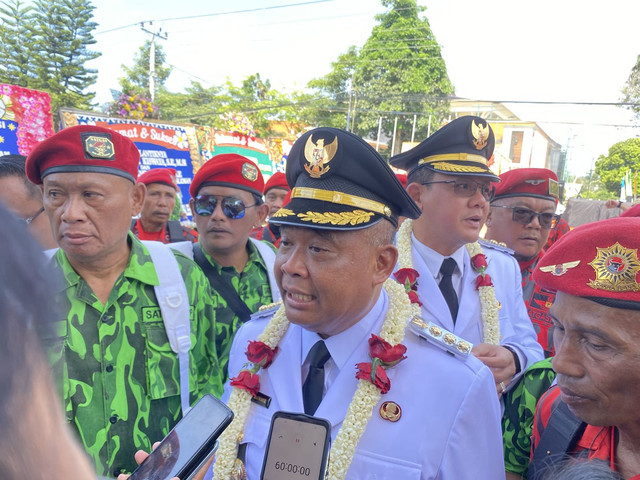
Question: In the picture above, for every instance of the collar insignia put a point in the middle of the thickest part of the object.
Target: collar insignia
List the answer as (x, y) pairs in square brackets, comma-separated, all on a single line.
[(318, 155), (616, 269), (250, 171), (99, 146), (559, 269), (480, 135)]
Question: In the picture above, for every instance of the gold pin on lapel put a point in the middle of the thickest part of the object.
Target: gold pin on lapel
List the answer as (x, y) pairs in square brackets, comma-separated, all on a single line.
[(390, 411)]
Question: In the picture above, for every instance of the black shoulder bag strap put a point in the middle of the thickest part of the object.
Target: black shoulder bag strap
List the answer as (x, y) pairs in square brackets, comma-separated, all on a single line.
[(175, 231), (558, 439), (224, 288)]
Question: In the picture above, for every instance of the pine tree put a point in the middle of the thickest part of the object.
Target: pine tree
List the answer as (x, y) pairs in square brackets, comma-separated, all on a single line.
[(17, 44)]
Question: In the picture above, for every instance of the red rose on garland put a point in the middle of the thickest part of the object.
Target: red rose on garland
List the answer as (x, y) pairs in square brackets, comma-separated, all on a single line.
[(379, 378), (479, 262), (409, 278), (387, 354), (247, 381), (483, 281), (260, 354)]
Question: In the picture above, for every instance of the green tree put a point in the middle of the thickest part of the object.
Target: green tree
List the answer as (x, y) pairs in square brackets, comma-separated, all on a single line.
[(622, 157), (17, 44), (63, 34), (631, 91), (136, 77), (398, 73)]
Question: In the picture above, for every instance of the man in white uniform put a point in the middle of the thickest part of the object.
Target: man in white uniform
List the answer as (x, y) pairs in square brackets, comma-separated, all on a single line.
[(479, 300), (431, 415)]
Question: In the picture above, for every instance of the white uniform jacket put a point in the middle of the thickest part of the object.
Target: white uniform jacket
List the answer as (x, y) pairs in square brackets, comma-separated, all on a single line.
[(450, 424), (515, 326)]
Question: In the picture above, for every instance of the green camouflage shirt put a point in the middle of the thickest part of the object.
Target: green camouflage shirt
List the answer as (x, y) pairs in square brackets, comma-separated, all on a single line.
[(252, 286), (120, 378), (519, 409)]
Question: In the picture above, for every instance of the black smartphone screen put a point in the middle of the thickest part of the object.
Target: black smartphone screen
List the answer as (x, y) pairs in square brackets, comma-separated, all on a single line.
[(188, 444), (297, 448)]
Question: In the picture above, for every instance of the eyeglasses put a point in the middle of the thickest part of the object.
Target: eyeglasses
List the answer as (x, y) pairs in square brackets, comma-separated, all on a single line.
[(30, 219), (525, 216), (232, 207), (469, 188)]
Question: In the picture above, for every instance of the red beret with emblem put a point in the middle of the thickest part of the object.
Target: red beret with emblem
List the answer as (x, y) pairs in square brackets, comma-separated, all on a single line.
[(165, 176), (596, 260), (277, 180), (528, 182), (632, 212), (229, 170), (84, 148)]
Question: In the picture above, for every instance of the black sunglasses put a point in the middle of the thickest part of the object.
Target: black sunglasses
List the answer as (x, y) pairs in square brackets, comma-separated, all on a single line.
[(468, 188), (525, 216), (232, 207)]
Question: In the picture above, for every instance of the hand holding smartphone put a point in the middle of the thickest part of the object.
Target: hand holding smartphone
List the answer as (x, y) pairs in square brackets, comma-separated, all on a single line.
[(189, 444)]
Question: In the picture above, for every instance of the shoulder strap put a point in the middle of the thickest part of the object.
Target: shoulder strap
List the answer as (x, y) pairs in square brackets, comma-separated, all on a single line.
[(173, 301), (175, 231), (558, 438), (269, 257), (133, 223), (220, 285)]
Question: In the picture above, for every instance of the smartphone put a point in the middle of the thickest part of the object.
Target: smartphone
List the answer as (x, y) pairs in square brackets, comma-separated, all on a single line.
[(189, 444), (297, 448)]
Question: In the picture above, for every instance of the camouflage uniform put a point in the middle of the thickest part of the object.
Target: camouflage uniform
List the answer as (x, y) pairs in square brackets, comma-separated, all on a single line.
[(252, 286), (120, 378), (519, 408)]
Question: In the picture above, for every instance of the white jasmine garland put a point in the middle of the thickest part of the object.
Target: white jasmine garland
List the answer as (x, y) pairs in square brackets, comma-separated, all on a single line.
[(359, 412), (489, 305)]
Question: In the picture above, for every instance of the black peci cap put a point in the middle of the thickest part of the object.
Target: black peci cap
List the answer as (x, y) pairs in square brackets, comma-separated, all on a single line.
[(339, 182), (461, 147)]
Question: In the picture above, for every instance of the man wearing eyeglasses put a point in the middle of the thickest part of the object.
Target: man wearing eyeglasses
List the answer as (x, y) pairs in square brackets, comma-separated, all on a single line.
[(227, 204), (523, 213), (479, 300), (24, 199)]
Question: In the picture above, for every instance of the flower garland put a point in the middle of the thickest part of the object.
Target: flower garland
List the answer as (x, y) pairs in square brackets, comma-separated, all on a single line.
[(489, 305), (385, 352)]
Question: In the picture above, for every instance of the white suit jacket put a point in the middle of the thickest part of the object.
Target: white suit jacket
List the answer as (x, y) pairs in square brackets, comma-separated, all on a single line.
[(450, 424), (515, 326)]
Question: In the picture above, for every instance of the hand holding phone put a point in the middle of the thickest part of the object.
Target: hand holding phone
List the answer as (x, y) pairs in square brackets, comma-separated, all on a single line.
[(189, 444), (297, 448)]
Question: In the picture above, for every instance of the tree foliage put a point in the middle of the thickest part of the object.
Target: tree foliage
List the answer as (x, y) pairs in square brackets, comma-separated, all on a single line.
[(136, 77), (398, 73), (631, 91), (45, 47), (622, 157)]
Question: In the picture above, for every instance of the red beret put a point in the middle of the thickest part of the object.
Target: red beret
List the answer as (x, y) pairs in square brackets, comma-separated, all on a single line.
[(596, 260), (84, 148), (528, 182), (632, 212), (277, 180), (229, 170), (403, 178), (166, 176)]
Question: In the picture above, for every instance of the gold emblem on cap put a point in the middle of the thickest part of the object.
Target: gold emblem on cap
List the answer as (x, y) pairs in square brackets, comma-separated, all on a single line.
[(99, 146), (355, 217), (318, 155), (559, 269), (390, 411), (283, 212), (480, 135), (250, 171), (616, 268)]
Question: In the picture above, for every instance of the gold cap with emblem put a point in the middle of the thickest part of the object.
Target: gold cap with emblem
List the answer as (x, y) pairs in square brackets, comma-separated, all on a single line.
[(340, 183), (461, 147)]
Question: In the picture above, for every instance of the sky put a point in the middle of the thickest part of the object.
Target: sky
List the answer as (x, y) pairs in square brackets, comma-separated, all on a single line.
[(573, 51)]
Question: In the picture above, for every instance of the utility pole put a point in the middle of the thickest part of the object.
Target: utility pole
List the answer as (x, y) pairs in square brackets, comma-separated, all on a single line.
[(152, 55), (349, 107)]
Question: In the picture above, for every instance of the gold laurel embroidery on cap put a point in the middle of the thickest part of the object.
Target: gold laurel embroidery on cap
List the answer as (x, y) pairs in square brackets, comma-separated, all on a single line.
[(616, 269), (480, 135), (450, 167), (99, 146), (560, 269), (283, 212), (250, 171), (318, 155), (355, 217)]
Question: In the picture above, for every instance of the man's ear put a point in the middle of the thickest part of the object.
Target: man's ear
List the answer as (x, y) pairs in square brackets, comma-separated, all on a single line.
[(192, 207), (137, 194), (262, 211), (414, 190), (488, 222), (386, 259)]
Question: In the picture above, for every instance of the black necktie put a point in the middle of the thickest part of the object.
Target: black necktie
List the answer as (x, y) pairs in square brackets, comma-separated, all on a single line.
[(314, 384), (446, 287)]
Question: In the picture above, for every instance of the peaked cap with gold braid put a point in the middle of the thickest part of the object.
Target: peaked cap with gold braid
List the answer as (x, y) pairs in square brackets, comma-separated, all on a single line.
[(339, 182), (462, 147)]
